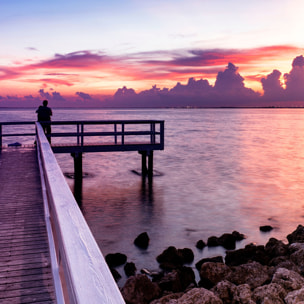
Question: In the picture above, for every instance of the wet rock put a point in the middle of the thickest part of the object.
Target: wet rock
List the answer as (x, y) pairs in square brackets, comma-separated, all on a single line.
[(169, 258), (275, 248), (243, 295), (200, 244), (186, 255), (217, 259), (295, 297), (140, 290), (130, 269), (212, 241), (177, 280), (212, 273), (296, 236), (225, 290), (199, 296), (227, 240), (187, 277), (266, 228), (254, 274), (142, 240), (271, 293), (251, 252), (238, 236), (172, 258), (115, 259), (288, 279)]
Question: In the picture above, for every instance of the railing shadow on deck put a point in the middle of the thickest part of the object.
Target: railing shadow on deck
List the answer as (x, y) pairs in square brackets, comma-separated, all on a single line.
[(81, 274)]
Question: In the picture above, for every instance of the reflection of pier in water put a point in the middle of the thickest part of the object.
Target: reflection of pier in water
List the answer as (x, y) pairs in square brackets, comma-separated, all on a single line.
[(69, 239)]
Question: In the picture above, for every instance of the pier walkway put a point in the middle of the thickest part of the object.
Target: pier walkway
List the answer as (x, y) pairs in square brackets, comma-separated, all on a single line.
[(48, 253), (25, 266)]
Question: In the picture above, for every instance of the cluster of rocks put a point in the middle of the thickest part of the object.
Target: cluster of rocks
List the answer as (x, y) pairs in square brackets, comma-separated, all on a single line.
[(273, 273)]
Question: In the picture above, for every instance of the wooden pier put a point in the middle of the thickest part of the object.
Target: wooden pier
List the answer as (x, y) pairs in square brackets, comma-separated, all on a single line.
[(48, 254), (25, 265)]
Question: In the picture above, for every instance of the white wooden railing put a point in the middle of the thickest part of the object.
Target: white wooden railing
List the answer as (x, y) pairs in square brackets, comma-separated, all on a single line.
[(80, 272)]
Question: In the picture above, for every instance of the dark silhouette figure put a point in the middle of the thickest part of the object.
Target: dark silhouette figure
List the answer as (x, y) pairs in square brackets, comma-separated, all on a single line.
[(44, 115)]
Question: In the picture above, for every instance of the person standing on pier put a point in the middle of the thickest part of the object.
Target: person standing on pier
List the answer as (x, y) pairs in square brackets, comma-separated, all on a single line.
[(44, 114)]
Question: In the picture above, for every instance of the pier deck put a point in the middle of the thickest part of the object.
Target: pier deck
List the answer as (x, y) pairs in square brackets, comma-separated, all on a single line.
[(25, 268)]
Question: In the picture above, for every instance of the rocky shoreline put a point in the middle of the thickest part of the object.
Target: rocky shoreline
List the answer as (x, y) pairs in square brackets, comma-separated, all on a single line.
[(273, 273)]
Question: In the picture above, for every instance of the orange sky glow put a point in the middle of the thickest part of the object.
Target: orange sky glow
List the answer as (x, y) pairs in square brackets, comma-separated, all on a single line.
[(136, 45)]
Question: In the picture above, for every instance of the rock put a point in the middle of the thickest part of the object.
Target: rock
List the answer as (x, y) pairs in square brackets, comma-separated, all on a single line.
[(172, 258), (217, 259), (242, 295), (275, 248), (296, 236), (177, 280), (283, 262), (200, 244), (130, 269), (266, 228), (251, 252), (227, 240), (140, 290), (186, 255), (298, 258), (169, 258), (115, 259), (295, 297), (271, 293), (142, 240), (187, 277), (212, 273), (212, 241), (238, 236), (198, 296), (288, 279), (225, 290), (295, 247), (254, 274), (168, 298)]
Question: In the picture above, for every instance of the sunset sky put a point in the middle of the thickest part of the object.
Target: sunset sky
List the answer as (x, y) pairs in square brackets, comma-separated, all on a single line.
[(93, 47)]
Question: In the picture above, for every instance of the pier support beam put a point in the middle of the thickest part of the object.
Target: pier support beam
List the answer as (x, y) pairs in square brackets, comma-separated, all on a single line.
[(146, 170), (78, 176)]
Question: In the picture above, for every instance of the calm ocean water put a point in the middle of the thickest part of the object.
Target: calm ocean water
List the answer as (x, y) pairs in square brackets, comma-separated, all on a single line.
[(221, 170)]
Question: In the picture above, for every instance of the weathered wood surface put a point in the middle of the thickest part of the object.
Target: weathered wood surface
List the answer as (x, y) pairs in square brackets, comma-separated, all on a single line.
[(86, 275), (25, 270)]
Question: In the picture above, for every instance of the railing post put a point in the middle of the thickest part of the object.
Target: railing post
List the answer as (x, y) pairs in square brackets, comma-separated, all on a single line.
[(152, 130), (0, 137), (162, 134), (78, 176), (122, 133), (78, 134), (115, 131), (82, 128)]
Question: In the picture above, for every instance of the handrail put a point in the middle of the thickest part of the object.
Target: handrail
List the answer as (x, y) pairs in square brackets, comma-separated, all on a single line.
[(84, 274), (119, 131)]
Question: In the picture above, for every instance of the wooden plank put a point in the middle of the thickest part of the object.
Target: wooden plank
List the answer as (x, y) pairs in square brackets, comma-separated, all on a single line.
[(25, 272)]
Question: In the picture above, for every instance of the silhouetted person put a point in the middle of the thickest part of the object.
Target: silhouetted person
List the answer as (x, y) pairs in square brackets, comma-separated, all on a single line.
[(44, 115)]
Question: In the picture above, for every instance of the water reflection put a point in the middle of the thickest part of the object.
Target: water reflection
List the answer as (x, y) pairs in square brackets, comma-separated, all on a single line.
[(222, 170)]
